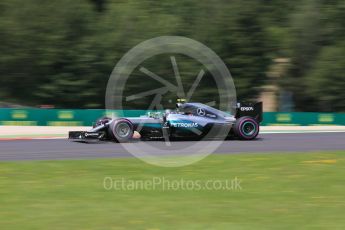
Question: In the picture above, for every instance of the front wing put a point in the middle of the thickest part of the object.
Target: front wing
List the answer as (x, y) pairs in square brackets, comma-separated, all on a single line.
[(85, 136)]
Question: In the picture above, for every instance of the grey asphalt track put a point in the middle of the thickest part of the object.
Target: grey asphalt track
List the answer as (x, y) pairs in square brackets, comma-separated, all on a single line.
[(65, 149)]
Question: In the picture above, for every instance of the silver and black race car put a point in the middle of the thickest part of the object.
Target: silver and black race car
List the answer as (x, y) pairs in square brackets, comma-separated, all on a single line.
[(190, 121)]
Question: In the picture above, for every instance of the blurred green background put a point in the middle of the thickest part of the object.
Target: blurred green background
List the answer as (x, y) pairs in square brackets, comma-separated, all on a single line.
[(61, 53)]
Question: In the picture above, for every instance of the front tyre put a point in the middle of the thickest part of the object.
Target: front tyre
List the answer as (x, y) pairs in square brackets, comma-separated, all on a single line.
[(121, 130), (246, 128)]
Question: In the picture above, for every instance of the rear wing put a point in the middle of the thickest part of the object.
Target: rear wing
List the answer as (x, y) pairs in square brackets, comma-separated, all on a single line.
[(253, 110)]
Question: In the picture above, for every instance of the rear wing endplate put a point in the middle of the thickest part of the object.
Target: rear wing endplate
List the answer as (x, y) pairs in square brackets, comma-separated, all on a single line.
[(249, 109)]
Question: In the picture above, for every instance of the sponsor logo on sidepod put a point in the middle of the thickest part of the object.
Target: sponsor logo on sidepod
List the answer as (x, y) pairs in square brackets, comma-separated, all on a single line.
[(185, 125)]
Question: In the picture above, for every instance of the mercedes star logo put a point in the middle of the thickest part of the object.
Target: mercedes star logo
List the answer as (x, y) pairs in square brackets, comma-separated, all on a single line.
[(201, 112)]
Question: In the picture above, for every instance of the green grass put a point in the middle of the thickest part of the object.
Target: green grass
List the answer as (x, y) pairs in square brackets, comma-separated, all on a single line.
[(279, 191)]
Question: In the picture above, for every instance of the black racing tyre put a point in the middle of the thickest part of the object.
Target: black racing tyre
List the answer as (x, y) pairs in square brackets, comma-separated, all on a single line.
[(121, 130), (246, 128)]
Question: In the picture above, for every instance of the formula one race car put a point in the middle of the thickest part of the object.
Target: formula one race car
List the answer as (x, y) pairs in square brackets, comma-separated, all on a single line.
[(190, 121)]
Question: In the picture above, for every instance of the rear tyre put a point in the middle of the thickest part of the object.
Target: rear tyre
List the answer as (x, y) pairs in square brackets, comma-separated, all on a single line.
[(121, 130), (246, 128)]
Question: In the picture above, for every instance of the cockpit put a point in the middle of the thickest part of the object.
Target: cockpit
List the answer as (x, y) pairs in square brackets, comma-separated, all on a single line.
[(201, 110)]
